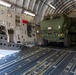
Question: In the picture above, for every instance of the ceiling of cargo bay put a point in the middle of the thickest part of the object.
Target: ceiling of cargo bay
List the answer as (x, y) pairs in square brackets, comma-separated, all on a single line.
[(43, 7)]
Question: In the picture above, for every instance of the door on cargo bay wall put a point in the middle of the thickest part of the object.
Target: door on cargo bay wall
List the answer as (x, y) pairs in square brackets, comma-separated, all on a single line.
[(11, 35)]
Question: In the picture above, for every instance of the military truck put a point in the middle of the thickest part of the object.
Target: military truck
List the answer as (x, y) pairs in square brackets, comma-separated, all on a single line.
[(59, 28)]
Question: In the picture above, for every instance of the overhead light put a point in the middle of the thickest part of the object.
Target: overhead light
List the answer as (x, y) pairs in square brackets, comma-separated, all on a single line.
[(52, 6), (5, 3), (29, 13)]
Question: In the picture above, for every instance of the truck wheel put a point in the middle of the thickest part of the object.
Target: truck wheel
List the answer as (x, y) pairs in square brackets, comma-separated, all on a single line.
[(66, 43)]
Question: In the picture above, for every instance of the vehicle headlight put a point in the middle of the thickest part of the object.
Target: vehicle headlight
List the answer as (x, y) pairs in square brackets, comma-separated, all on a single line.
[(60, 34)]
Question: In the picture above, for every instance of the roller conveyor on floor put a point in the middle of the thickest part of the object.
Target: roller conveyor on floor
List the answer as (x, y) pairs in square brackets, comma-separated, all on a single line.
[(39, 61)]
